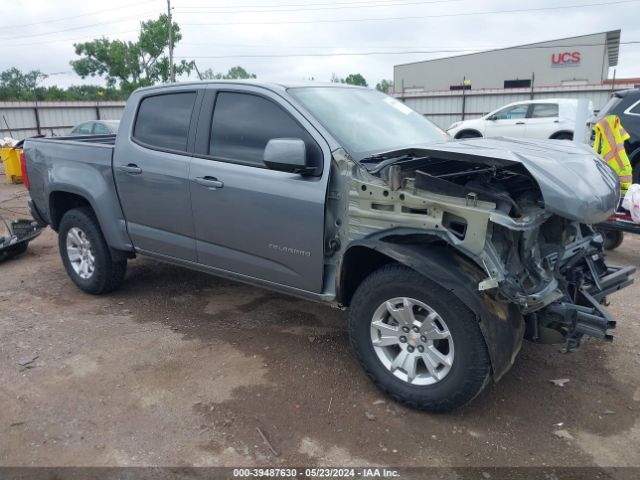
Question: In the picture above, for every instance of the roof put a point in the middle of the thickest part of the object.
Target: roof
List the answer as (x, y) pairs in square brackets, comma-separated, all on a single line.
[(612, 44), (268, 85)]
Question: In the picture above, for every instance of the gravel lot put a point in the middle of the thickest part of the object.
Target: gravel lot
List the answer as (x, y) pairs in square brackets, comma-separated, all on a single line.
[(181, 368)]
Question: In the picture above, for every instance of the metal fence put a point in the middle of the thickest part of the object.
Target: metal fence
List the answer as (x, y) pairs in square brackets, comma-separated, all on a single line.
[(25, 119), (444, 107)]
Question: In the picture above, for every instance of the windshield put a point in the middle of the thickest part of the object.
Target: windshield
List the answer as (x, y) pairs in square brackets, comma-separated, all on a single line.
[(366, 121)]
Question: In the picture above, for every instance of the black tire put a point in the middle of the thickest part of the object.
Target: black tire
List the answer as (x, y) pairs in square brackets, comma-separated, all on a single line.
[(471, 367), (563, 136), (612, 239), (467, 134), (108, 274)]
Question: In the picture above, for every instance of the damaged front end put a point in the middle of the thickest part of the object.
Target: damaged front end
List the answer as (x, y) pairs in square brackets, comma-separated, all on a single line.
[(519, 210)]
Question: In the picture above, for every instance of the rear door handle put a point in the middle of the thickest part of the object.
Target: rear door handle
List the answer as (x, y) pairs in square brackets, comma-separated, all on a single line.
[(519, 123), (210, 182), (131, 168)]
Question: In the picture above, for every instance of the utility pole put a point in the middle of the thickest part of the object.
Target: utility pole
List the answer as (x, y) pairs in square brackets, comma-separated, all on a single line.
[(172, 78)]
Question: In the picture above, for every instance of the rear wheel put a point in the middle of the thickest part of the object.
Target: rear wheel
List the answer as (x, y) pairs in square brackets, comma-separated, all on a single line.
[(416, 341), (85, 254)]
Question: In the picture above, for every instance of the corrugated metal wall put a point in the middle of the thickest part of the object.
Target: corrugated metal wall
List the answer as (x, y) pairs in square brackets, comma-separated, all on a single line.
[(443, 107), (25, 119)]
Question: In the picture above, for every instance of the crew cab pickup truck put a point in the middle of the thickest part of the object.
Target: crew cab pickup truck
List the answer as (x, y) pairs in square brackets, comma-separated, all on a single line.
[(447, 253)]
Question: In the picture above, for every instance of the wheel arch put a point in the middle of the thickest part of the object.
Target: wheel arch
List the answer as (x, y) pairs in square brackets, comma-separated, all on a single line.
[(473, 131), (502, 325), (555, 135), (61, 201)]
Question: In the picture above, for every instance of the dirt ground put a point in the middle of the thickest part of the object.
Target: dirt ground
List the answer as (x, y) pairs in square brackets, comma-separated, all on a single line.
[(180, 368)]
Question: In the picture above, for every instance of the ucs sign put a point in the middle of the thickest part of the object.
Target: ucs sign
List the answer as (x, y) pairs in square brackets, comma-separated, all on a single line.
[(565, 59)]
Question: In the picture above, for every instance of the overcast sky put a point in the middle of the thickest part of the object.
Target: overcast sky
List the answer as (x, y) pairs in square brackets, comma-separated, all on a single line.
[(38, 34)]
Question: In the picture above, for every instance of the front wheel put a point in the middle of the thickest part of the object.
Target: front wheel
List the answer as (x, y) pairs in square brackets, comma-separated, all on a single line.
[(85, 254), (416, 341)]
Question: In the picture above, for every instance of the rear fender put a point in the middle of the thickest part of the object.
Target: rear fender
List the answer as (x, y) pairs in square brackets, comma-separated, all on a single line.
[(502, 324)]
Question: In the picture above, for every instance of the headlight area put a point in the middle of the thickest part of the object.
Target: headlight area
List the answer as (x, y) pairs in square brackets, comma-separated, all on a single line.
[(556, 273)]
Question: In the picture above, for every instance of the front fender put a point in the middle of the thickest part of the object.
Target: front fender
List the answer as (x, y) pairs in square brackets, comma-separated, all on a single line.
[(502, 324)]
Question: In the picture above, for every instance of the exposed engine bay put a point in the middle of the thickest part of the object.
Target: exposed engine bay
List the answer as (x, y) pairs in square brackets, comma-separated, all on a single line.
[(521, 219)]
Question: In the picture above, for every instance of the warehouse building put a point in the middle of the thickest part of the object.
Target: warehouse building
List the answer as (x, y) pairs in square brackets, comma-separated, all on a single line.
[(585, 59), (468, 86)]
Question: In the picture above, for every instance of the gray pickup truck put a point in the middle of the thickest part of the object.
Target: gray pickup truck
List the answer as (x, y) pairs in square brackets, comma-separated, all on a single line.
[(447, 253)]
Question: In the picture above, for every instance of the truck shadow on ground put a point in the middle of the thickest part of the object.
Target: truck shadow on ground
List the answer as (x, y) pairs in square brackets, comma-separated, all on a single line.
[(316, 390)]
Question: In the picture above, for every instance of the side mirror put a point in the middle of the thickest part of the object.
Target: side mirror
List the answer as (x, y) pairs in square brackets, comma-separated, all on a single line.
[(492, 117), (287, 155)]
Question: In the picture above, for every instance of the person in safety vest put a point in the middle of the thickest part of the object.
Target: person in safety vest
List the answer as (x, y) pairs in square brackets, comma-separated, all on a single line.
[(609, 143)]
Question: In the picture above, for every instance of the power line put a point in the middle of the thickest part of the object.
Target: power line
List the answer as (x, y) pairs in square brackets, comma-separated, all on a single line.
[(403, 52), (294, 4), (85, 14), (332, 7), (139, 16), (7, 45), (415, 17)]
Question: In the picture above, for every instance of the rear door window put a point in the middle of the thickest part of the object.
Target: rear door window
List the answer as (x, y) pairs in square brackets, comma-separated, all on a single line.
[(100, 129), (163, 121), (544, 110), (243, 124), (512, 113)]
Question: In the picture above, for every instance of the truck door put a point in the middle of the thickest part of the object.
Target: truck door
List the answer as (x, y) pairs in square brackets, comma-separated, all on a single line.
[(250, 220), (151, 169), (544, 120)]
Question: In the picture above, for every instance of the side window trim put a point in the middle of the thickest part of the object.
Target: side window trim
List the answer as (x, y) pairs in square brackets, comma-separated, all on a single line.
[(631, 107), (192, 122)]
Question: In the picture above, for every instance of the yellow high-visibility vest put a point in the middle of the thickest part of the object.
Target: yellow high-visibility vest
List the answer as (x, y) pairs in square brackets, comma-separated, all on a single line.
[(609, 143)]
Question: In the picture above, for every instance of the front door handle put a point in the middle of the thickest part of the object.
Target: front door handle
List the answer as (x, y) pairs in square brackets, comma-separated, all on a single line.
[(210, 182), (519, 123), (131, 168)]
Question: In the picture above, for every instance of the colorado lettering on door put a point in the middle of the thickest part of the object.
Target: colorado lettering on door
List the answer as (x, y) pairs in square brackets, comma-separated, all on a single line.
[(565, 59)]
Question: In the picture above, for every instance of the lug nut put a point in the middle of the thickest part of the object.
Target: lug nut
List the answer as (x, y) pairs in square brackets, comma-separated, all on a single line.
[(403, 339), (410, 349), (423, 339), (416, 329), (405, 329), (420, 348)]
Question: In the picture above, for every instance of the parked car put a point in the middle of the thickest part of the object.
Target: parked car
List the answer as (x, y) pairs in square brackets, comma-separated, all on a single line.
[(447, 253), (96, 127), (626, 105), (549, 118)]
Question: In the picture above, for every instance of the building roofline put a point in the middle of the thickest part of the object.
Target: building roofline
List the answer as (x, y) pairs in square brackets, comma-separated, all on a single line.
[(612, 43)]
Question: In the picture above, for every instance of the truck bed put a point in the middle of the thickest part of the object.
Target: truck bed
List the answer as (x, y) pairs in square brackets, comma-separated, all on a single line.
[(76, 165)]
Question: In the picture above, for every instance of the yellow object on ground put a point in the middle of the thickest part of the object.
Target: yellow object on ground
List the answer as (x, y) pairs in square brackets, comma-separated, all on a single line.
[(11, 162), (609, 143)]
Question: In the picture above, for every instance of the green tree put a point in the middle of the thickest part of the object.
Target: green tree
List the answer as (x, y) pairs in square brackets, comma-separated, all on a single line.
[(384, 86), (352, 79), (234, 73), (132, 64), (355, 79), (15, 85)]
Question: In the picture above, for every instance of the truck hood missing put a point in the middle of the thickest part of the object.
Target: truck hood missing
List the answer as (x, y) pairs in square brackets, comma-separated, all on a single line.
[(574, 182)]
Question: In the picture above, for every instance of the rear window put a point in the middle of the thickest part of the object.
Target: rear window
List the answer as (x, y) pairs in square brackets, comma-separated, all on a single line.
[(163, 120), (544, 110)]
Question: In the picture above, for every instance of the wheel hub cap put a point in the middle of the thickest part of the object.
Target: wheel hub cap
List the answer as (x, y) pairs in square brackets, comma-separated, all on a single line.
[(412, 341), (80, 253)]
